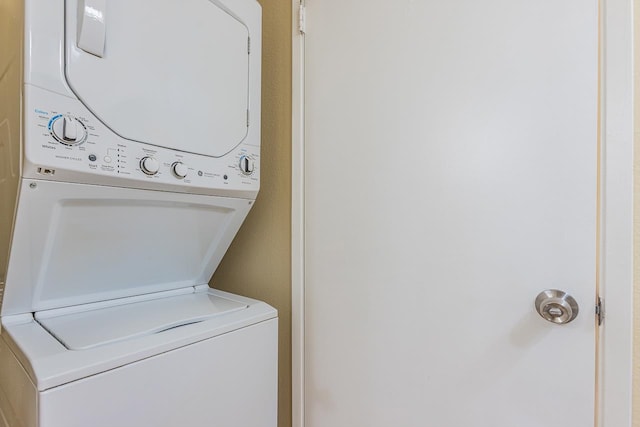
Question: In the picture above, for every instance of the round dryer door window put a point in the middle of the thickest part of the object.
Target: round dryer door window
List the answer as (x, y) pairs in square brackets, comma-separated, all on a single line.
[(173, 74)]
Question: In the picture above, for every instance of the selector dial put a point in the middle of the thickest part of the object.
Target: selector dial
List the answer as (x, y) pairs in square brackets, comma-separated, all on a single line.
[(149, 165), (179, 169), (68, 130), (247, 165)]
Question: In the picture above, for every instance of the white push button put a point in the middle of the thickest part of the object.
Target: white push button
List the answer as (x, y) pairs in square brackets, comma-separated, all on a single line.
[(107, 159)]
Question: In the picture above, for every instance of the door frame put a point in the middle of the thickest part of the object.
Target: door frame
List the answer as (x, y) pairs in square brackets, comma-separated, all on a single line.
[(615, 353)]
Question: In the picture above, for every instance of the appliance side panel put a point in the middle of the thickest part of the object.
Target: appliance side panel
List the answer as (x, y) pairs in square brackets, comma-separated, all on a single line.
[(230, 381), (11, 30), (18, 395)]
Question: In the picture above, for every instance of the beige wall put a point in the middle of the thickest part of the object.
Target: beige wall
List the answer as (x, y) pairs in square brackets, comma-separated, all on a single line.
[(258, 263), (636, 231), (11, 18)]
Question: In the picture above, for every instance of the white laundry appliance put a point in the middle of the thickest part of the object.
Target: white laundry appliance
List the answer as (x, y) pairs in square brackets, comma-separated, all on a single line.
[(129, 158)]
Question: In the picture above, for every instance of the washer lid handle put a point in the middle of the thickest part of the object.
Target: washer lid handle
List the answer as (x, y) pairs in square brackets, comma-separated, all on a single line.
[(92, 26)]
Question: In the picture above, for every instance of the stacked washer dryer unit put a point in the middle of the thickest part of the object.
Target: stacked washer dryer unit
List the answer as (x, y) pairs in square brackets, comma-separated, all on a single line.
[(129, 154)]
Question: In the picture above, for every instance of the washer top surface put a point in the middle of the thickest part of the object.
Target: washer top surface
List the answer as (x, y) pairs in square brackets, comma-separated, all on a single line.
[(180, 70), (93, 328), (122, 334)]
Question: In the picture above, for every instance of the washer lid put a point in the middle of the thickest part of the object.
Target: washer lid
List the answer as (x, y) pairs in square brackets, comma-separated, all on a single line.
[(93, 328), (169, 73), (77, 244)]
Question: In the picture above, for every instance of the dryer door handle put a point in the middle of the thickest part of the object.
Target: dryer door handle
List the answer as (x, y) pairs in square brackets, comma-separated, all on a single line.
[(92, 26)]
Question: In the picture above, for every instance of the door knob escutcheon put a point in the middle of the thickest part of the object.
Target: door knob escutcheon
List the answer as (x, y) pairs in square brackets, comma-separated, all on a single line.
[(556, 306)]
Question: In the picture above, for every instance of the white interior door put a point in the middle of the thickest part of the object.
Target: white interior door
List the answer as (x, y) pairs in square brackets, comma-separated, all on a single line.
[(450, 177)]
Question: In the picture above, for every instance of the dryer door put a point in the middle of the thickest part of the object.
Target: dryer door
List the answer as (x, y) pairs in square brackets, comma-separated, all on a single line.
[(169, 73)]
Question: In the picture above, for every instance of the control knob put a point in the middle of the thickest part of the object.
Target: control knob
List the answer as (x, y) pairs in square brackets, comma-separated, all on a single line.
[(179, 169), (247, 165), (68, 130), (149, 165)]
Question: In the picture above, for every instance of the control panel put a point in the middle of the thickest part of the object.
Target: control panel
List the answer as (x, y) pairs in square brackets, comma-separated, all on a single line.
[(63, 137)]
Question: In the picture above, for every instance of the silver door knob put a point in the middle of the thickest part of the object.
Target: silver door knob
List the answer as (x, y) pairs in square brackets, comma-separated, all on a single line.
[(556, 306)]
